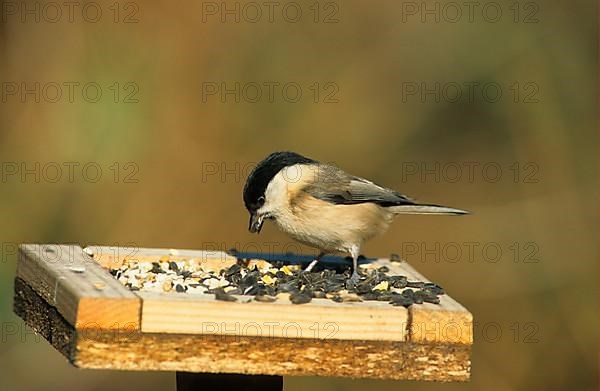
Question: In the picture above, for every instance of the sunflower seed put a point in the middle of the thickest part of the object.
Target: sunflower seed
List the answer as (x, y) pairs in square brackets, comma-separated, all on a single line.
[(265, 298), (220, 295), (300, 298)]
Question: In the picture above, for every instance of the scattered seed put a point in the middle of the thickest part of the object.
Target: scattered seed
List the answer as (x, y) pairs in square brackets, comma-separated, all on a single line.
[(286, 270), (265, 298), (319, 294), (267, 279), (382, 286), (432, 300), (300, 298), (415, 284), (418, 298), (369, 296), (220, 295), (264, 281), (435, 288), (384, 297), (400, 300), (350, 298), (399, 281)]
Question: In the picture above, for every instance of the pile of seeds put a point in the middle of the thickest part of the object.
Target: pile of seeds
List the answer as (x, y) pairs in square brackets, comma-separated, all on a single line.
[(267, 282)]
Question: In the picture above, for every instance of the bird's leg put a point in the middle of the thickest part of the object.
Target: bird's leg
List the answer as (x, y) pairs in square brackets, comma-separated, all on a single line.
[(355, 251), (312, 264)]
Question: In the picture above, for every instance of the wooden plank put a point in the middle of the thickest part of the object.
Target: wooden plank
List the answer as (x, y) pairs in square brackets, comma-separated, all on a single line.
[(321, 318), (85, 294), (448, 322), (131, 350)]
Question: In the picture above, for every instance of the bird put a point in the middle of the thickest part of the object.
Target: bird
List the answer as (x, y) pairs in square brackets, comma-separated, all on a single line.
[(323, 207)]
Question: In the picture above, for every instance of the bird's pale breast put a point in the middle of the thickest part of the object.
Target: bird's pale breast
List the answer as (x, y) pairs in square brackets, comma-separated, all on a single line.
[(332, 227)]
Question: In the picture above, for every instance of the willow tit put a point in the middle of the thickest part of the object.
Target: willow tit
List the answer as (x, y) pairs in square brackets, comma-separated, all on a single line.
[(324, 207)]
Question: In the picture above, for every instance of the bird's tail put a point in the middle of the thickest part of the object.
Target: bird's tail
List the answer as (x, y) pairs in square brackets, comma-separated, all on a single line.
[(416, 209)]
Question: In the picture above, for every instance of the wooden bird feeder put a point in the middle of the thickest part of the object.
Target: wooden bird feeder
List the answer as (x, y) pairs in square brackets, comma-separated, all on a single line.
[(67, 295)]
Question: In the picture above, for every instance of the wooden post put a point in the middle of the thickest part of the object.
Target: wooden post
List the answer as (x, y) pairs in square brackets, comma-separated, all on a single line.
[(189, 381)]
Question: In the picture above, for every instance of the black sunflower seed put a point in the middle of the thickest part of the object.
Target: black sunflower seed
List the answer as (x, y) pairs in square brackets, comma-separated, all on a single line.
[(369, 296), (363, 288), (251, 290), (432, 300), (300, 298), (250, 279), (288, 287), (233, 269), (415, 284), (265, 298), (221, 295), (319, 294), (269, 290), (418, 297), (173, 266), (438, 290), (156, 268), (333, 288), (401, 301), (399, 282), (385, 296)]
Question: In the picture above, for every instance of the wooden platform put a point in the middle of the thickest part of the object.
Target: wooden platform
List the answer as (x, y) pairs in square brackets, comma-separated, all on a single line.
[(70, 298)]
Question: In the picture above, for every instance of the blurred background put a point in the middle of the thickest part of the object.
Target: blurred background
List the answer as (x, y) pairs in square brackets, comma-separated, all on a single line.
[(136, 123)]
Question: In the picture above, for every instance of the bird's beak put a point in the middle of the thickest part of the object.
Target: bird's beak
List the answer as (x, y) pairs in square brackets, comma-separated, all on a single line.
[(256, 222)]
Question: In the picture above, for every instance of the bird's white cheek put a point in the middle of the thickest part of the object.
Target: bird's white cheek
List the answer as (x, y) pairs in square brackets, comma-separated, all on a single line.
[(270, 208), (276, 196)]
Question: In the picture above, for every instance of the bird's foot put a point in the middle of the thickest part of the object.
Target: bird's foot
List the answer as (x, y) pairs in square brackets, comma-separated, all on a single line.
[(353, 280)]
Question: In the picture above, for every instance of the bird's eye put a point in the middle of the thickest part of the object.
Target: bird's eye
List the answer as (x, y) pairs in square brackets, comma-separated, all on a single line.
[(261, 200)]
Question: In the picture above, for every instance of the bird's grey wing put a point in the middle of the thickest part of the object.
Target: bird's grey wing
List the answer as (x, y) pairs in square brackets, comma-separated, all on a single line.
[(337, 187)]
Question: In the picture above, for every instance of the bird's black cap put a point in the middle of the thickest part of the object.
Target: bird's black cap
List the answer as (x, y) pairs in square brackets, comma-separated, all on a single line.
[(261, 175)]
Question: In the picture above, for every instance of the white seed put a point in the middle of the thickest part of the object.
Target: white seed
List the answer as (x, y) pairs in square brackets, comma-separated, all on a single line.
[(77, 269), (88, 251)]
